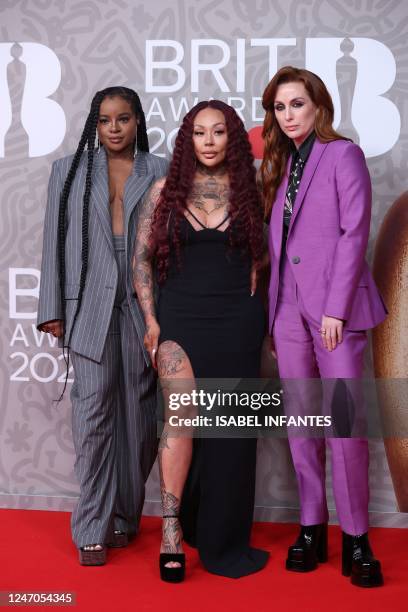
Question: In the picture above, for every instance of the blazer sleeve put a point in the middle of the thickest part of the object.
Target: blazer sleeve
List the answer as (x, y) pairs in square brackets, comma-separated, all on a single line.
[(354, 194), (49, 305)]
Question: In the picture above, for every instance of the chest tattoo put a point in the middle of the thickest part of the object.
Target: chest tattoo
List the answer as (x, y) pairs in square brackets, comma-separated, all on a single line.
[(209, 195)]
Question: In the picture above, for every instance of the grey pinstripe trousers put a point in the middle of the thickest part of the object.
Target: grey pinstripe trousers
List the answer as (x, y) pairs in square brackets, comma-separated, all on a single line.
[(114, 427)]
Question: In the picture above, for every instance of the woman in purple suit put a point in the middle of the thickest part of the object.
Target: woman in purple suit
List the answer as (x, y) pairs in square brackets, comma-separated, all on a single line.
[(322, 299)]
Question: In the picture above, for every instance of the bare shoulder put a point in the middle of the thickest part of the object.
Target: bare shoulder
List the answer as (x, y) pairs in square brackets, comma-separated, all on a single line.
[(159, 184), (152, 197), (156, 188)]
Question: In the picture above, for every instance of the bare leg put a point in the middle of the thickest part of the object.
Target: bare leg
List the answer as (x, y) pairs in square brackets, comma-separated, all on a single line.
[(176, 376)]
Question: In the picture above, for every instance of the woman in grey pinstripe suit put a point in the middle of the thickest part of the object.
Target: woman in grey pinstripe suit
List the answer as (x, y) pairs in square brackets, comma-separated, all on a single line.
[(88, 302)]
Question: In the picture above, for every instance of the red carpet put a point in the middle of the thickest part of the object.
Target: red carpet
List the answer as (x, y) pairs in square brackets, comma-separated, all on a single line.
[(36, 554)]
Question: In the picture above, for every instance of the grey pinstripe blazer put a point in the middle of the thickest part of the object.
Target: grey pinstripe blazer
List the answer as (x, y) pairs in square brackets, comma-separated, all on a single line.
[(91, 327)]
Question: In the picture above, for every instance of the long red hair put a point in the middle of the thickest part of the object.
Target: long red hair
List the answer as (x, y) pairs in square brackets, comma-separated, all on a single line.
[(244, 208), (276, 143)]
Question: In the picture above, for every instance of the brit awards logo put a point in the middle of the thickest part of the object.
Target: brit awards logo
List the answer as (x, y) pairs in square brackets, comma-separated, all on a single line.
[(29, 74), (359, 72), (361, 110)]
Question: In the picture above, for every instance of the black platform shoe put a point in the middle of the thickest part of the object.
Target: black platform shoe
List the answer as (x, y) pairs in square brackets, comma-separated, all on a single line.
[(359, 562), (309, 549), (172, 574)]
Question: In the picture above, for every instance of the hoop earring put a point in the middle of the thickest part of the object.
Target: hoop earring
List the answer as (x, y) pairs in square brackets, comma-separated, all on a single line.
[(98, 142), (135, 150)]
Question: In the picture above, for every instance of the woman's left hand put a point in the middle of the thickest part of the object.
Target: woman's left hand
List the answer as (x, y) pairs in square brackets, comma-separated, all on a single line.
[(331, 332)]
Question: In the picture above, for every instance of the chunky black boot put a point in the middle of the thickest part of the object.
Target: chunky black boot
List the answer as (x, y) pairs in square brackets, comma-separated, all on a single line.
[(359, 562), (309, 549)]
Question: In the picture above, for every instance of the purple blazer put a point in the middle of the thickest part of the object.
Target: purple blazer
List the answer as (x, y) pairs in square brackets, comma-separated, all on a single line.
[(327, 238)]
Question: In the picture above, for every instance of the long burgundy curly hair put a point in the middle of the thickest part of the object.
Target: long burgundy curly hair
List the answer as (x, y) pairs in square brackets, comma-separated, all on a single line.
[(246, 216)]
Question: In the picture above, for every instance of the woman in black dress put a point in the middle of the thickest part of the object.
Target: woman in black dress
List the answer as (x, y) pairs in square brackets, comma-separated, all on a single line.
[(200, 231)]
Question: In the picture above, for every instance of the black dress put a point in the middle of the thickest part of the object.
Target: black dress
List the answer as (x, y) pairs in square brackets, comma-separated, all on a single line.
[(206, 307)]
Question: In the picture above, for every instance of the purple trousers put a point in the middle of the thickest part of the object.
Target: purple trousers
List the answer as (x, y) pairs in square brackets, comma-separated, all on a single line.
[(301, 355)]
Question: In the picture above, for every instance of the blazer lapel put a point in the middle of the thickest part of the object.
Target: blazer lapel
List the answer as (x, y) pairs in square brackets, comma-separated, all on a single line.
[(277, 210), (100, 194), (310, 169), (136, 186)]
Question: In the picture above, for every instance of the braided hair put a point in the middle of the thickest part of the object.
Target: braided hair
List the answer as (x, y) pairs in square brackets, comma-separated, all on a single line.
[(88, 139)]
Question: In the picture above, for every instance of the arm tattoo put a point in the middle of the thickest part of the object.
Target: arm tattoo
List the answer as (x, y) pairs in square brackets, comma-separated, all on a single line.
[(142, 259)]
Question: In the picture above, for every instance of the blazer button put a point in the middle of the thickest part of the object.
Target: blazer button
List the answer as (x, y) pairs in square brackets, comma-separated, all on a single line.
[(295, 259)]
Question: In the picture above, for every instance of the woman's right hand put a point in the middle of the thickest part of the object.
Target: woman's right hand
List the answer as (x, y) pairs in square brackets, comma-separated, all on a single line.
[(54, 327), (151, 340)]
